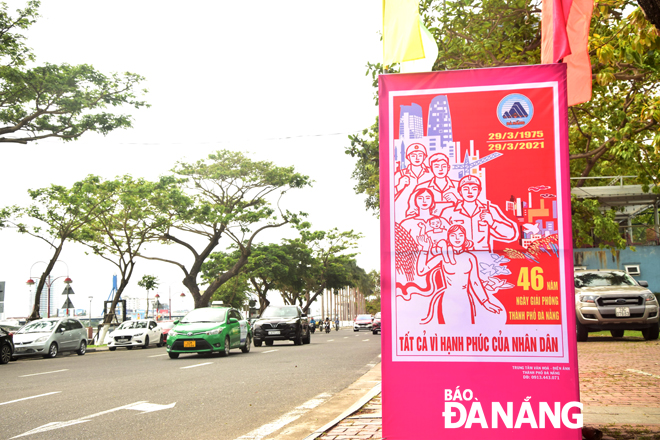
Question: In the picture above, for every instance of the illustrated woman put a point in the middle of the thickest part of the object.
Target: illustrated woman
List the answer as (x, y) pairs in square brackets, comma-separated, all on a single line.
[(416, 224), (463, 294)]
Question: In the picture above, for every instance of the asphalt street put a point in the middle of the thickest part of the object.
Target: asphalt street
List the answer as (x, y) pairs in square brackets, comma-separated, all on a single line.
[(142, 393)]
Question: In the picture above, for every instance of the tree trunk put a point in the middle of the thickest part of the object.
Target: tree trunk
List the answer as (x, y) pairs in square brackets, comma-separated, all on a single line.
[(42, 281), (108, 317)]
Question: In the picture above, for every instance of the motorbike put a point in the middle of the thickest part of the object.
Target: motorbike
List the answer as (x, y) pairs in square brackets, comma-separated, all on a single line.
[(327, 326), (337, 326), (312, 327)]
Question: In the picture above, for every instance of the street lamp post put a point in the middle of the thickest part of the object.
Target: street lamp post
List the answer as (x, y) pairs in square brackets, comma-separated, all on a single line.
[(49, 282), (90, 310)]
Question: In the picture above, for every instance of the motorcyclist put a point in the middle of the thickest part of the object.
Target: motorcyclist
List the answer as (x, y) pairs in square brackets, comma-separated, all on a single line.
[(312, 322), (337, 323), (327, 324)]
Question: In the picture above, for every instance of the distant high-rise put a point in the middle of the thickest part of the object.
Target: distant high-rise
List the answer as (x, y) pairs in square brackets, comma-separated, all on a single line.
[(43, 299), (411, 122), (439, 128)]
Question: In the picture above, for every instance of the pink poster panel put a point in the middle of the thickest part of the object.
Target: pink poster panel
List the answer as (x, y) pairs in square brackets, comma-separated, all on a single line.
[(476, 265)]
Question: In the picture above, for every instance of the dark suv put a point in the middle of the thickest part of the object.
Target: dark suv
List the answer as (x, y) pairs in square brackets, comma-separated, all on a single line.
[(6, 346), (282, 323)]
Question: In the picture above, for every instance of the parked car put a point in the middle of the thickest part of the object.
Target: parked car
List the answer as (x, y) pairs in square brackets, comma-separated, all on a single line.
[(6, 345), (613, 300), (138, 333), (282, 323), (363, 322), (375, 326), (209, 330), (166, 326), (49, 336)]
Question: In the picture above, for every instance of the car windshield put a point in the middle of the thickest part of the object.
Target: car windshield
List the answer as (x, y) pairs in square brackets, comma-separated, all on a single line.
[(362, 317), (604, 279), (38, 327), (280, 312), (166, 325), (132, 324), (210, 314)]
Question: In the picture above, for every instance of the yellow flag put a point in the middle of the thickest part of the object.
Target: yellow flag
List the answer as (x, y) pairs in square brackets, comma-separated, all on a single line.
[(402, 39)]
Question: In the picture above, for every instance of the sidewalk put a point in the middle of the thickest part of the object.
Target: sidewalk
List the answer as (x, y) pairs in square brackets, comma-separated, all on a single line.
[(619, 387)]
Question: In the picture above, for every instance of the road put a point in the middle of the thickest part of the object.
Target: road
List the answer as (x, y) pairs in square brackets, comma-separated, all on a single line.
[(144, 394)]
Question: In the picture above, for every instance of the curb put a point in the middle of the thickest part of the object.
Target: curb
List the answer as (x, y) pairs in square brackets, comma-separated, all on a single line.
[(356, 406)]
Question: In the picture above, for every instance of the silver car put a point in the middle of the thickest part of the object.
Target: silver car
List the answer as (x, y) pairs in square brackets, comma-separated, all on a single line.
[(613, 300), (47, 337)]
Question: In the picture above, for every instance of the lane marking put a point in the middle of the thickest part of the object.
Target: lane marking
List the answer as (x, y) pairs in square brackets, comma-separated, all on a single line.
[(268, 351), (287, 418), (28, 398), (158, 355), (330, 340), (644, 373), (143, 406), (196, 365), (345, 337), (365, 340), (47, 372)]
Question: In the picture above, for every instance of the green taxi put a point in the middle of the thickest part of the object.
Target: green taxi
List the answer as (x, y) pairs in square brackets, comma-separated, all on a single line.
[(209, 330)]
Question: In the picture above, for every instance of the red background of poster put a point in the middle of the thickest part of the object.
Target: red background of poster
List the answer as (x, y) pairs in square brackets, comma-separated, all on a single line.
[(413, 392)]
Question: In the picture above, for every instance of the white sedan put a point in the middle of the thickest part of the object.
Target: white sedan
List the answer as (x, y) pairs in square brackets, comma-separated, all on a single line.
[(138, 333)]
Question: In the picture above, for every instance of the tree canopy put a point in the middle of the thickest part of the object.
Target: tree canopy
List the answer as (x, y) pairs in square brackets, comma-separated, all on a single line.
[(616, 133), (62, 101), (227, 196)]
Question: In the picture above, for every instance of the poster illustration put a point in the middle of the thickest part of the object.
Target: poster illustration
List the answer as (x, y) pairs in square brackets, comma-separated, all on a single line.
[(476, 240)]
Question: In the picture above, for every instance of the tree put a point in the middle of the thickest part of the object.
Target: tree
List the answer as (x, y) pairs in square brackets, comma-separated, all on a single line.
[(60, 213), (237, 289), (228, 196), (331, 267), (118, 236), (148, 283), (616, 133), (373, 299), (61, 101)]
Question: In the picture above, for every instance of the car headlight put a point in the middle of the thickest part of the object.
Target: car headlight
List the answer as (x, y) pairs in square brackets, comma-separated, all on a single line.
[(139, 334), (171, 333), (42, 339), (292, 321), (649, 297), (214, 332), (588, 298)]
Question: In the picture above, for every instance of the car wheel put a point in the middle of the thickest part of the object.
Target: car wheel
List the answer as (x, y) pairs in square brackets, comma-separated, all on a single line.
[(112, 348), (651, 333), (375, 332), (52, 351), (83, 348), (161, 343), (225, 352), (257, 342), (582, 333), (298, 339), (5, 354), (617, 333), (246, 348), (14, 358), (307, 339), (146, 342), (173, 355), (269, 343), (356, 330)]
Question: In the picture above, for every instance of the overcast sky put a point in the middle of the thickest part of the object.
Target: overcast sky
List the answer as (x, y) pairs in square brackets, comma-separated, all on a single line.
[(282, 80)]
